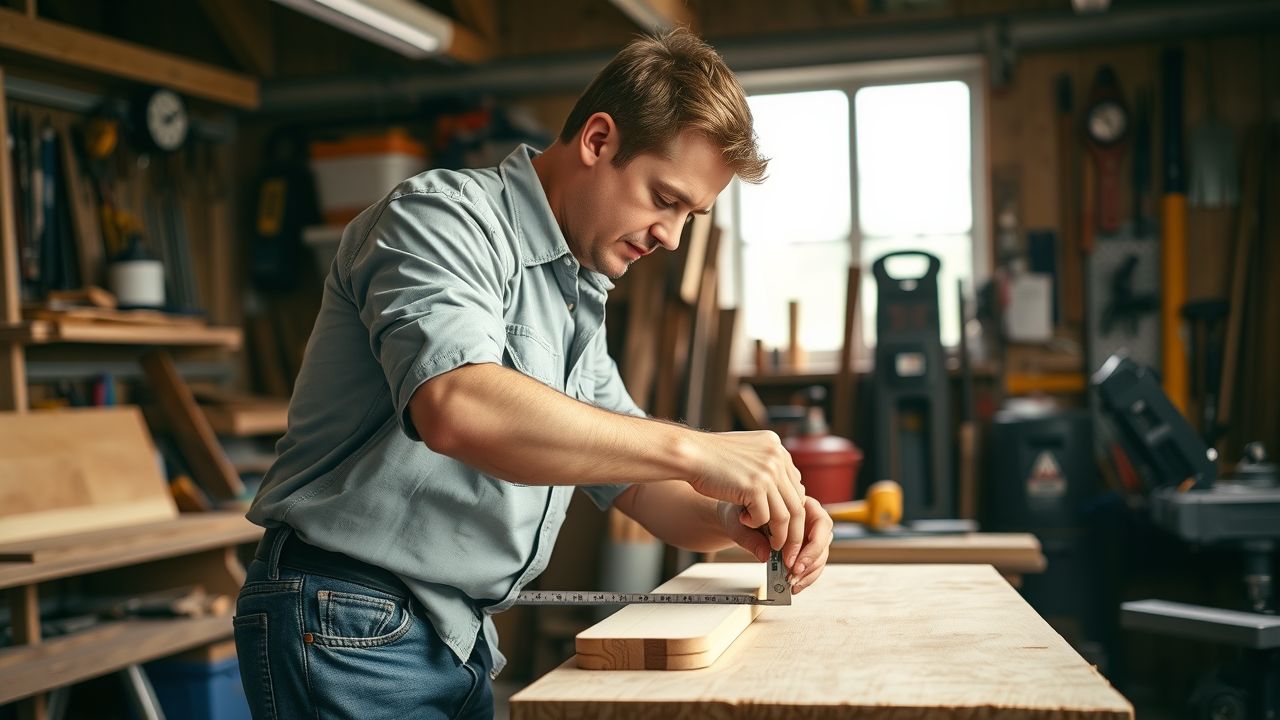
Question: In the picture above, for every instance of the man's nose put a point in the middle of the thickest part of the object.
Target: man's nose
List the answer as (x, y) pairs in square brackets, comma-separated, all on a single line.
[(668, 235)]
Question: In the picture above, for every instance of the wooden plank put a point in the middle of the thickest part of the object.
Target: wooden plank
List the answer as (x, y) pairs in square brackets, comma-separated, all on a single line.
[(716, 400), (704, 316), (87, 315), (1009, 553), (690, 258), (245, 28), (644, 312), (673, 355), (206, 458), (107, 549), (27, 670), (76, 470), (13, 363), (674, 637), (878, 642), (84, 216), (44, 332), (749, 409), (795, 353), (846, 381), (71, 46)]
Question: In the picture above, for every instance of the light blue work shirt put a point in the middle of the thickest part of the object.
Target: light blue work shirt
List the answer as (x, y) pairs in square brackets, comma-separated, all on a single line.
[(451, 268)]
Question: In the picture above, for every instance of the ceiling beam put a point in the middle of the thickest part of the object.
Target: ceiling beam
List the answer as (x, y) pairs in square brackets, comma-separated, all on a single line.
[(245, 28), (659, 15), (106, 55), (479, 15), (468, 46), (570, 72)]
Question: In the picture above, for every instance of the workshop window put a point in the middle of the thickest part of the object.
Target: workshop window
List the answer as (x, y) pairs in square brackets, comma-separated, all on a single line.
[(877, 161)]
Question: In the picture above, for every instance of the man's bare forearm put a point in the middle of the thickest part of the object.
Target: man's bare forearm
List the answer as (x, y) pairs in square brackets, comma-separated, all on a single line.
[(515, 428), (676, 515)]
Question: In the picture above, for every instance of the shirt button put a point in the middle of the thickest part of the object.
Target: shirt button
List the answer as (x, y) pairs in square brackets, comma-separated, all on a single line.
[(568, 262), (571, 307)]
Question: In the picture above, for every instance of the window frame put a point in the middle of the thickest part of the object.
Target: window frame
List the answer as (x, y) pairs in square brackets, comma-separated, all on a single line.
[(850, 78)]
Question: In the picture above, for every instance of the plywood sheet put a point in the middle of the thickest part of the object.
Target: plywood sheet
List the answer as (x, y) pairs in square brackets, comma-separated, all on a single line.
[(875, 642), (674, 637), (78, 470)]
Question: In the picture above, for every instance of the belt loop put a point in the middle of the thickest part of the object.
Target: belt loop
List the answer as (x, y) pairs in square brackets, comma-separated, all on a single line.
[(273, 557)]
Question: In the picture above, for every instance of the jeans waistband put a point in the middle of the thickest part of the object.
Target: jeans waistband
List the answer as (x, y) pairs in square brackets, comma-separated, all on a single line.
[(298, 555)]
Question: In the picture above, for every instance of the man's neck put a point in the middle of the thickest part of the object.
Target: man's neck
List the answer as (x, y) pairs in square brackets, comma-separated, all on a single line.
[(549, 167)]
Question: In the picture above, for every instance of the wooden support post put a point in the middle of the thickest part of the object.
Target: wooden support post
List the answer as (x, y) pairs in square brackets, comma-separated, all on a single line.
[(24, 611), (13, 365)]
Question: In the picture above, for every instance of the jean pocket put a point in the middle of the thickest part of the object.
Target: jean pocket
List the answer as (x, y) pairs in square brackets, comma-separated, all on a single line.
[(255, 671), (355, 620)]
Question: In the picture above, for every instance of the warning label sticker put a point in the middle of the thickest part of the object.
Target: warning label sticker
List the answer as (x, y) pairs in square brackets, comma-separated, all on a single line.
[(1046, 479)]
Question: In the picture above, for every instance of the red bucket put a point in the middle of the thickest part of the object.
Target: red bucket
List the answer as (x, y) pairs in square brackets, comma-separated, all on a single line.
[(828, 465)]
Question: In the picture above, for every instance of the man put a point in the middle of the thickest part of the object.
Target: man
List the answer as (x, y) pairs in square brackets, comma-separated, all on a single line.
[(456, 389)]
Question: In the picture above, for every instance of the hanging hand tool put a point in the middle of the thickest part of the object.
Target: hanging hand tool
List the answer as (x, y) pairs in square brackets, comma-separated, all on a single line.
[(1206, 319), (1125, 305)]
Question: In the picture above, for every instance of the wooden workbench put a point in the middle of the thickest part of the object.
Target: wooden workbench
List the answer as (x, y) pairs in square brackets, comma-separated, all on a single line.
[(1011, 554), (875, 642)]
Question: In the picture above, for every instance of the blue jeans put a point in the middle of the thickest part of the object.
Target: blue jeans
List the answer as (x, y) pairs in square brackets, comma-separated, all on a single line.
[(312, 646)]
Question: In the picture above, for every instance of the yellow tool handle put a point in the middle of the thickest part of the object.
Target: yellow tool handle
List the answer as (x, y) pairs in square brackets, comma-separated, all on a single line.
[(1173, 295)]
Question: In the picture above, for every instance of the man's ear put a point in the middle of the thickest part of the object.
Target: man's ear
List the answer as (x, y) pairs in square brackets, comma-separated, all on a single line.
[(598, 139)]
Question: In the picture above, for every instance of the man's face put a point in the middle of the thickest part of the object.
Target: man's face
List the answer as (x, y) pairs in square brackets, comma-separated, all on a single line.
[(625, 213)]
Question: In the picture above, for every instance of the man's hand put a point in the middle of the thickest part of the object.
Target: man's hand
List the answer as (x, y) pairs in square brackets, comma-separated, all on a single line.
[(752, 471), (811, 558)]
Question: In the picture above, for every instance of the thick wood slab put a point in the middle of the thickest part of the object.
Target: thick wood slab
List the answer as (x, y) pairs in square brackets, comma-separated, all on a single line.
[(878, 642), (674, 637)]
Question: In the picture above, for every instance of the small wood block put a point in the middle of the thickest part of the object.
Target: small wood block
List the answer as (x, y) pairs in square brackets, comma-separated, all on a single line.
[(675, 637)]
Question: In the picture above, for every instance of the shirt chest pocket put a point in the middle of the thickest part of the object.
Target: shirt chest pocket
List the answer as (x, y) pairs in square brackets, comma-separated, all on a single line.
[(528, 353)]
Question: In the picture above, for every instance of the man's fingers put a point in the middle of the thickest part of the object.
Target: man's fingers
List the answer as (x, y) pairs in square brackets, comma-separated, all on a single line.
[(757, 513), (779, 521), (812, 572)]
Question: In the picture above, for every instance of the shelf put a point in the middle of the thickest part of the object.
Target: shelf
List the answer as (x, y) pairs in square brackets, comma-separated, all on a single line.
[(248, 419), (70, 46), (63, 556), (46, 332), (66, 660)]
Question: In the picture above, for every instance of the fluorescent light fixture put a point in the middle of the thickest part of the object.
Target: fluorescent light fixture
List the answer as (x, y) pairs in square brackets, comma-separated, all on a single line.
[(404, 26)]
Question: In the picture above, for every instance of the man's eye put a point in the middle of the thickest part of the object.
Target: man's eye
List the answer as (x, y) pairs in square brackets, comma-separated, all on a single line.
[(663, 203)]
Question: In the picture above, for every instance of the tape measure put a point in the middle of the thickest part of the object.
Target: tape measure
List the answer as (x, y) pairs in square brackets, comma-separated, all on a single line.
[(777, 592)]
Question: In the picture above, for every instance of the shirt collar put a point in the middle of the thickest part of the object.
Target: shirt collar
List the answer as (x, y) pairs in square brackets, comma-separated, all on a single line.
[(536, 228)]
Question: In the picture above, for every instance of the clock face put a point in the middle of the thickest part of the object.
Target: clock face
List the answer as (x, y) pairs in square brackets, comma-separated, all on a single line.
[(167, 121), (1107, 121)]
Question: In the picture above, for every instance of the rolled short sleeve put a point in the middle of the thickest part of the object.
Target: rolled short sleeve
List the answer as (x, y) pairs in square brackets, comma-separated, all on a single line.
[(610, 394), (428, 281)]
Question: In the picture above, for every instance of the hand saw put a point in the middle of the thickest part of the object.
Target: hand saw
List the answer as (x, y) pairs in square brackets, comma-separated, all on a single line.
[(777, 592)]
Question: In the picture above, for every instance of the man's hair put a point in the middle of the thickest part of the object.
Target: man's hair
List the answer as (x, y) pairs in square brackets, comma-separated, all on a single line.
[(659, 86)]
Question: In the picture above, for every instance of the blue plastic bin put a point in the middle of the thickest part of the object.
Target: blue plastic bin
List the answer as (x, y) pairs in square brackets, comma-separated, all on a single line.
[(195, 690)]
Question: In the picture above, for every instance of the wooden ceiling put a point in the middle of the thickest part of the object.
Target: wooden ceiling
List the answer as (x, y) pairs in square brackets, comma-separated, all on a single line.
[(510, 45)]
